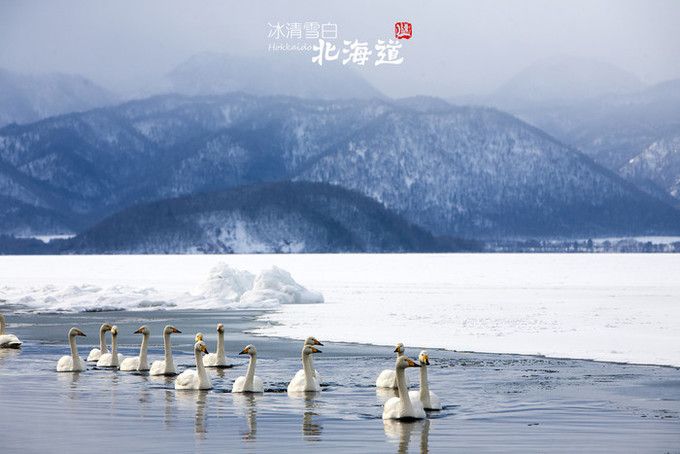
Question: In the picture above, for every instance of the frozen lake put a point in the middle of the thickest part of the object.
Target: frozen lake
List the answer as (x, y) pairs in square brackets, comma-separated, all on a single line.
[(619, 307)]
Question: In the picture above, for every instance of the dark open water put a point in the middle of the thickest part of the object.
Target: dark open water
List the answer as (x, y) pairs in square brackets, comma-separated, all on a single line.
[(493, 403)]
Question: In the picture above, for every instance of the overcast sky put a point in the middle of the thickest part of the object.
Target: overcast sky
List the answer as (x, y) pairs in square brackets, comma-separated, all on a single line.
[(459, 47)]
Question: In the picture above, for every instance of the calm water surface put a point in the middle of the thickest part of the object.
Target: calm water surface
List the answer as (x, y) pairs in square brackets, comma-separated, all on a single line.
[(492, 403)]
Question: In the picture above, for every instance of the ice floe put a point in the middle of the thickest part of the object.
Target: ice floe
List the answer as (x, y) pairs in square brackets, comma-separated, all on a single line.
[(224, 288)]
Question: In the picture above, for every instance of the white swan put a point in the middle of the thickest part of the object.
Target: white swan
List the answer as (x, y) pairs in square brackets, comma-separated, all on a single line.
[(403, 406), (251, 383), (114, 358), (429, 399), (300, 374), (165, 366), (195, 379), (217, 359), (73, 362), (96, 353), (7, 340), (388, 377), (307, 381), (138, 363)]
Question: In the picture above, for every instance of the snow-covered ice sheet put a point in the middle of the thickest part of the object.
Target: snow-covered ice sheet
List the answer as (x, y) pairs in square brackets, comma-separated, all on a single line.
[(224, 288), (618, 307)]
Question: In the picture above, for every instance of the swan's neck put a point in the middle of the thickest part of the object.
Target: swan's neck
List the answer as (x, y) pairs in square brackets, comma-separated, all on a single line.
[(74, 350), (114, 346), (168, 352), (424, 388), (250, 373), (102, 341), (309, 370), (220, 345), (200, 368), (400, 354), (142, 352), (403, 389), (2, 325)]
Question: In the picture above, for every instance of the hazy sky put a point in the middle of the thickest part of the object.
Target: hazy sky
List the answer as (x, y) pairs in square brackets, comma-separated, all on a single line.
[(459, 47)]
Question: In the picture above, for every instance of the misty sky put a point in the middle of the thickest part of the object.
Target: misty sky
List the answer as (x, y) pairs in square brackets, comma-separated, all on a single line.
[(459, 47)]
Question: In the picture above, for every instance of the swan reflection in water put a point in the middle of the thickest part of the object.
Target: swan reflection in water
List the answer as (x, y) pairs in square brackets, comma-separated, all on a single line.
[(311, 429), (247, 403), (403, 431), (71, 380), (198, 402)]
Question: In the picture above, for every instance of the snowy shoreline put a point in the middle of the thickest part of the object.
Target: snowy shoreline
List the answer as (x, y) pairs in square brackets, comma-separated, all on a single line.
[(614, 308)]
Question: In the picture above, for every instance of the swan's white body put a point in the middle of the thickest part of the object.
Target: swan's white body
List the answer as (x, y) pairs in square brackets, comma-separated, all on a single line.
[(96, 353), (388, 377), (114, 358), (72, 362), (250, 383), (165, 366), (429, 399), (306, 380), (7, 340), (138, 363), (195, 379), (403, 406), (217, 359)]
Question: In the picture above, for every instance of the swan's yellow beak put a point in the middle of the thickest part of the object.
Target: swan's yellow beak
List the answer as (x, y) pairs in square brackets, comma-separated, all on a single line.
[(316, 350), (316, 342), (425, 359), (139, 331), (412, 363), (204, 349), (175, 330), (245, 351)]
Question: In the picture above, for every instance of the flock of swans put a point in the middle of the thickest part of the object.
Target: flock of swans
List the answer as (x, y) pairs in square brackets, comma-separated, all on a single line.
[(406, 405)]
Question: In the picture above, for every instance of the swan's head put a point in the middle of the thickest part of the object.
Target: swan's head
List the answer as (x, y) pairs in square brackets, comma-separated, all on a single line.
[(73, 332), (199, 347), (199, 337), (171, 330), (114, 330), (404, 361), (309, 350), (249, 350), (105, 327), (311, 340), (143, 330), (220, 328), (399, 348), (424, 358)]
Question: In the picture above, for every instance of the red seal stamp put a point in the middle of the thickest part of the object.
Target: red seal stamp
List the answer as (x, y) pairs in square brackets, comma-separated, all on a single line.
[(403, 30)]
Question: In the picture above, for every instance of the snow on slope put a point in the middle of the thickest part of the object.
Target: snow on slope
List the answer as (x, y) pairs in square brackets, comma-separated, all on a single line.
[(613, 307)]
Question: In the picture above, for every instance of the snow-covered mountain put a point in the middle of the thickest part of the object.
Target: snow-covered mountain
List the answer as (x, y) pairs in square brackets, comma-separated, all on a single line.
[(467, 171), (658, 165), (269, 218), (26, 98), (601, 110), (216, 74)]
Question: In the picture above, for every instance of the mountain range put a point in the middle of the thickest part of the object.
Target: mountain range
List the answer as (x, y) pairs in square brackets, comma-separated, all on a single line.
[(269, 218), (453, 171), (604, 112)]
